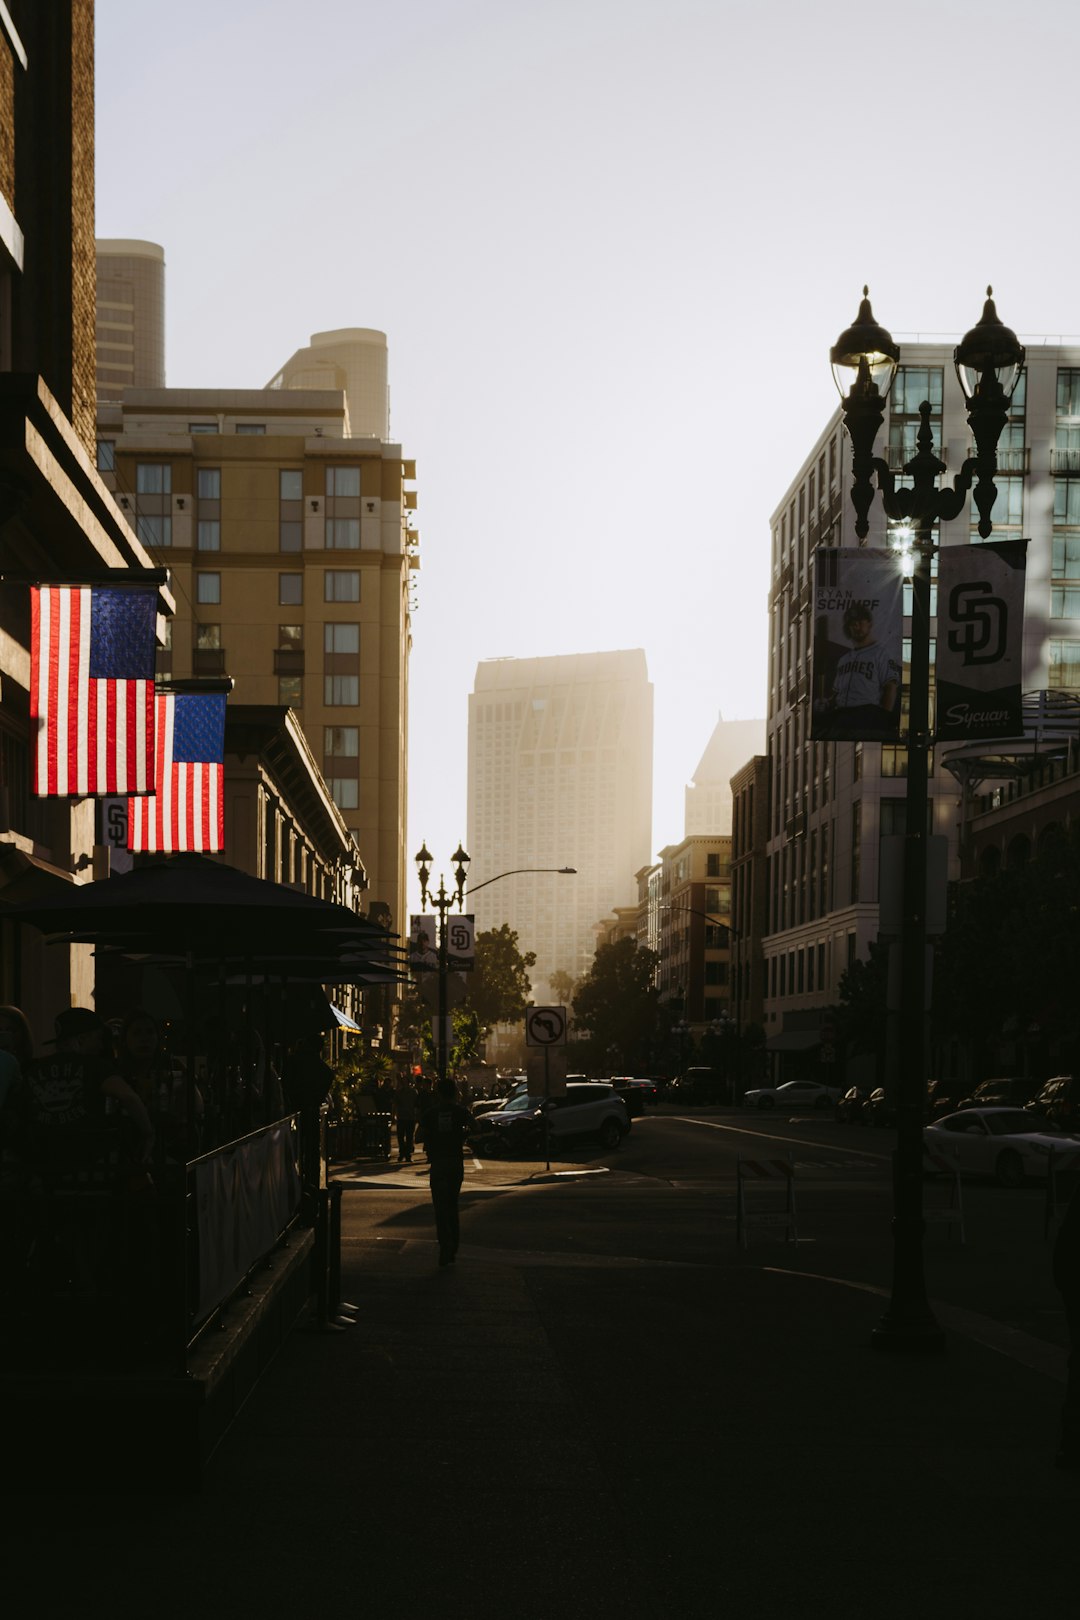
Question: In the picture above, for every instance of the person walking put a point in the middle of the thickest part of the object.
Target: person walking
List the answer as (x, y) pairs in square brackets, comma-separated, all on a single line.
[(406, 1108), (444, 1126), (1067, 1281)]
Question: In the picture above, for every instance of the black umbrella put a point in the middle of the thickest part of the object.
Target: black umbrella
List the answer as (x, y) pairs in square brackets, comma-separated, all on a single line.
[(190, 903)]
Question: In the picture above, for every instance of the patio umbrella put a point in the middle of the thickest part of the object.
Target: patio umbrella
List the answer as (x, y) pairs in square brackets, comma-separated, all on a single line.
[(192, 904)]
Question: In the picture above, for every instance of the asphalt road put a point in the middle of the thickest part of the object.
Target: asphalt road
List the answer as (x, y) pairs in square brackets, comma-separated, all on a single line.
[(669, 1195)]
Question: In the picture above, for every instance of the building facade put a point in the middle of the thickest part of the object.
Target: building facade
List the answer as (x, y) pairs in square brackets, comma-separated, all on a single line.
[(290, 549), (130, 327), (693, 929), (832, 804), (708, 798), (559, 774), (58, 521)]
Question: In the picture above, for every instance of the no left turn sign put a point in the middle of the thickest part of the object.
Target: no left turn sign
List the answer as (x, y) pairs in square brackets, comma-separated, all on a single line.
[(545, 1026)]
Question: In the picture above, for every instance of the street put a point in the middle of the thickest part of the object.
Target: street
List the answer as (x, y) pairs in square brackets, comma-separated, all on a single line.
[(669, 1194)]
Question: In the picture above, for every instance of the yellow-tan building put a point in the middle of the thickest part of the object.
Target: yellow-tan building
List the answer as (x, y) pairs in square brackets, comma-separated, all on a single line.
[(290, 548)]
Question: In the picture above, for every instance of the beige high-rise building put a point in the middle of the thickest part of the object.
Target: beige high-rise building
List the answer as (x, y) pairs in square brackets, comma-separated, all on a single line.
[(560, 774), (130, 327), (290, 550), (354, 359)]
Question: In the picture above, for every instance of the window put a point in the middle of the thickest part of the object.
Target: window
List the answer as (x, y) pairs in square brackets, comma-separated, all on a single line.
[(251, 427), (290, 590), (153, 478), (343, 481), (345, 792), (341, 690), (341, 638), (343, 534), (1064, 668), (290, 637), (202, 427), (894, 758), (208, 534), (291, 484), (208, 637), (208, 483), (208, 588), (341, 585), (291, 535), (712, 865), (291, 691), (341, 742), (106, 455), (154, 529)]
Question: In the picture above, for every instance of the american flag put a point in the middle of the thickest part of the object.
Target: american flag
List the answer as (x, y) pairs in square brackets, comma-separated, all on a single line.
[(187, 809), (92, 689)]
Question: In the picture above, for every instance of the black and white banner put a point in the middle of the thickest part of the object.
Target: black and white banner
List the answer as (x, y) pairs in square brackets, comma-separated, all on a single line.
[(980, 637), (858, 645)]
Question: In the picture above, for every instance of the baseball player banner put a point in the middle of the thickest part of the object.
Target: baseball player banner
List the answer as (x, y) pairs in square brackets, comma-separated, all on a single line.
[(858, 645), (980, 634)]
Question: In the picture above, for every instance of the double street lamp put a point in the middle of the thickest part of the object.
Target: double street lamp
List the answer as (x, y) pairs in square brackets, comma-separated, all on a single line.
[(443, 901), (988, 365)]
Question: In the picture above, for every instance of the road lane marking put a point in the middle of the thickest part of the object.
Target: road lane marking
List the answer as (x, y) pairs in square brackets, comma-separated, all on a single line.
[(789, 1141)]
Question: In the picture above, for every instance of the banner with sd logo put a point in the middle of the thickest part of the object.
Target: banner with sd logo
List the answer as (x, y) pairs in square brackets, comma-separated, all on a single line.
[(980, 640)]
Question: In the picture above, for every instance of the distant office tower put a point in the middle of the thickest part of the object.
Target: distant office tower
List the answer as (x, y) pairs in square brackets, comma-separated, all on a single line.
[(130, 317), (354, 359), (708, 798), (560, 774)]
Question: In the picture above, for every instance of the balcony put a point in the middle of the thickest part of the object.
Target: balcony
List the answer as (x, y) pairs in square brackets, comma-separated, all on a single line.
[(208, 661), (1065, 461), (289, 661)]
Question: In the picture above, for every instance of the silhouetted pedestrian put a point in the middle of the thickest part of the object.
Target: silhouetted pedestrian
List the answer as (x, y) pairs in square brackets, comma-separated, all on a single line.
[(444, 1127), (1067, 1282)]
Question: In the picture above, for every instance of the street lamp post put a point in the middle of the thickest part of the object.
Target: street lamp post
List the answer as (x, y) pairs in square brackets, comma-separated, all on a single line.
[(864, 362), (442, 901)]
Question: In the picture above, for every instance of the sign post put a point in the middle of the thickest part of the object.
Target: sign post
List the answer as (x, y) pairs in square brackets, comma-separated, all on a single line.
[(545, 1027)]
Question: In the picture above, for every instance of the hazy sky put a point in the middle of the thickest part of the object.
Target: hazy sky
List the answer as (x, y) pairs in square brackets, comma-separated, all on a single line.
[(610, 242)]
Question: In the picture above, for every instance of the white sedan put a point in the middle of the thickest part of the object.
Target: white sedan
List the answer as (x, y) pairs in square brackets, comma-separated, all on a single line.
[(792, 1094), (1007, 1143)]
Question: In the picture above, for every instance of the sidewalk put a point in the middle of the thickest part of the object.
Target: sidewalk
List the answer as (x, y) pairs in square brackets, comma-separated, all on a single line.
[(526, 1435)]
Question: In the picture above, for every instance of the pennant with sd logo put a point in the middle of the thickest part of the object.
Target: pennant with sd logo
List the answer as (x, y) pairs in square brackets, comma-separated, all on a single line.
[(980, 640)]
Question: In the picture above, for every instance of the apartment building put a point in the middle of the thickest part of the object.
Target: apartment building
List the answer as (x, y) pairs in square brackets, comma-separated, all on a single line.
[(290, 546), (559, 774), (693, 906), (832, 804)]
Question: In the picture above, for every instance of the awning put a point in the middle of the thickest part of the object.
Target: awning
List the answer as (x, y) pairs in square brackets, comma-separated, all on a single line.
[(25, 878), (793, 1040), (342, 1018)]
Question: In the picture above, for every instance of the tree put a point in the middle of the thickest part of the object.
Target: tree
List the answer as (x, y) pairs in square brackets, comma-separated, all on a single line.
[(617, 1003), (862, 1015), (498, 986), (561, 984)]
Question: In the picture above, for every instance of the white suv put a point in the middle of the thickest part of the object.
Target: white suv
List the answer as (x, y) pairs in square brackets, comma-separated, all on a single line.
[(585, 1109)]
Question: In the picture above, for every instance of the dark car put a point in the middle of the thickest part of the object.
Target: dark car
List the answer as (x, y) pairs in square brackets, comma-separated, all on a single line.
[(941, 1098), (636, 1094), (851, 1105), (697, 1086), (1059, 1099), (1010, 1092)]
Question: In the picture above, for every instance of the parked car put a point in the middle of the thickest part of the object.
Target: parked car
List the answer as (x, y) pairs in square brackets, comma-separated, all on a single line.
[(587, 1109), (941, 1098), (492, 1105), (879, 1110), (851, 1104), (1009, 1144), (1002, 1093), (696, 1086), (1059, 1100), (792, 1094)]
